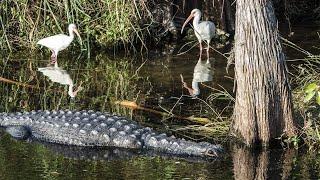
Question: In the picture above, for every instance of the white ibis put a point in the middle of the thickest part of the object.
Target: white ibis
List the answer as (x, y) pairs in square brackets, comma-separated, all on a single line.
[(59, 42), (204, 30), (60, 76)]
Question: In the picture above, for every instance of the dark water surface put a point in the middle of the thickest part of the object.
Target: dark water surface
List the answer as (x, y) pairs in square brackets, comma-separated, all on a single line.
[(158, 85)]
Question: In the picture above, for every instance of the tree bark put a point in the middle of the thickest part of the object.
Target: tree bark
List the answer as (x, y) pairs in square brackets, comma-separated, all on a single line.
[(263, 108)]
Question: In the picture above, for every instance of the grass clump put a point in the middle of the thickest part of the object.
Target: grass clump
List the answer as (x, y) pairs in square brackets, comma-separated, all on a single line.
[(104, 23)]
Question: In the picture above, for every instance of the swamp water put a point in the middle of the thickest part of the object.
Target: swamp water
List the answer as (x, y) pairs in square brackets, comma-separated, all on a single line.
[(155, 83)]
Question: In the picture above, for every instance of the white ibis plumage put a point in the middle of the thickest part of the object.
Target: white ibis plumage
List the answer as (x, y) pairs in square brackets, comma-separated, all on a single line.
[(60, 76), (204, 30), (59, 42)]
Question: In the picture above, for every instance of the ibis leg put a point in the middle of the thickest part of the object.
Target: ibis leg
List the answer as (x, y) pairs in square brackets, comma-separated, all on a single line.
[(53, 57), (208, 49), (200, 50)]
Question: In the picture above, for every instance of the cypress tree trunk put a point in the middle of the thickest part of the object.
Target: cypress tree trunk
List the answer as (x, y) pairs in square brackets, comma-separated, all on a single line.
[(263, 108)]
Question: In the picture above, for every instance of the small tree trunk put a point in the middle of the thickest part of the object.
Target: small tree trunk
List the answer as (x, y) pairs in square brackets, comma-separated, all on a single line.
[(263, 108)]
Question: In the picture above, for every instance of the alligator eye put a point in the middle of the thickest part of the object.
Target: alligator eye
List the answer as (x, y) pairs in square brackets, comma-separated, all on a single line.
[(211, 153)]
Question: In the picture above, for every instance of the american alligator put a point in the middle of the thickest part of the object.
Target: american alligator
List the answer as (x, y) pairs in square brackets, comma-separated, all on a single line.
[(89, 128)]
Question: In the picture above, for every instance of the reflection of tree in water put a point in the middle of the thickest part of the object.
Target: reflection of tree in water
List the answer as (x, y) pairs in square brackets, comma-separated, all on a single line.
[(262, 164)]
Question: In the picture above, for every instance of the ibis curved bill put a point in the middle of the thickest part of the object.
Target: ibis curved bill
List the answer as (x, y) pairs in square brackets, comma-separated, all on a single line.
[(59, 42), (204, 30)]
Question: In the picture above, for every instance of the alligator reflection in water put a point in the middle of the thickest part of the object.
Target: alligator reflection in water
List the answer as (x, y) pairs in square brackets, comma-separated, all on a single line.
[(113, 153), (202, 73), (61, 76)]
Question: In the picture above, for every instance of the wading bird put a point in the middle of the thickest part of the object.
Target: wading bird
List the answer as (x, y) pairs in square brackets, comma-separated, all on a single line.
[(204, 30), (59, 42)]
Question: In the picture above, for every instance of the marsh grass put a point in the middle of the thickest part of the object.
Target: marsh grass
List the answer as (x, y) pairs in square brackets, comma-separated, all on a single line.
[(105, 23), (218, 119)]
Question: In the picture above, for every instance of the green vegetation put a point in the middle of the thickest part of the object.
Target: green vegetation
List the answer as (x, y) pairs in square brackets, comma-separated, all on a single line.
[(306, 98), (103, 22)]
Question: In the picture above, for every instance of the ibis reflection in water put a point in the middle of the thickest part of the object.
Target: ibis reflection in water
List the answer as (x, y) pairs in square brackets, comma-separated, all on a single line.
[(61, 76), (59, 42), (202, 73), (204, 30)]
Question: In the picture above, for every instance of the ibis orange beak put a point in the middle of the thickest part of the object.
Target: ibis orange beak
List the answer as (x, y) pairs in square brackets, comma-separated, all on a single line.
[(186, 22), (77, 33)]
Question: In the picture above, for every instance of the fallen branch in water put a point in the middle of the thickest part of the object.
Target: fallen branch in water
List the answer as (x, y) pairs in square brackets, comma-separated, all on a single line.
[(135, 106), (9, 81), (18, 83)]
